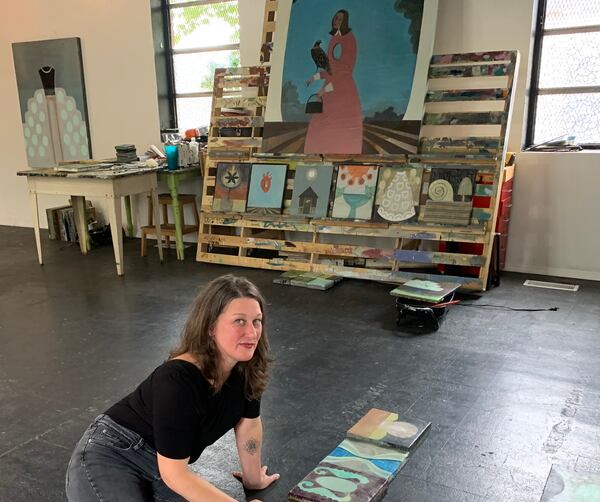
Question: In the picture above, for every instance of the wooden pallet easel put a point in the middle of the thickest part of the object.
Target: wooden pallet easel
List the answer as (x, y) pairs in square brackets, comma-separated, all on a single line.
[(467, 113)]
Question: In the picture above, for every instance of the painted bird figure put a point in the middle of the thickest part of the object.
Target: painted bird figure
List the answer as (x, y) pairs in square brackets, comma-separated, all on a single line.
[(319, 57)]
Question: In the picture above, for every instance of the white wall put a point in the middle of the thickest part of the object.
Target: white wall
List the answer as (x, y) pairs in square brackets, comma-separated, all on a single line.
[(554, 227), (118, 60)]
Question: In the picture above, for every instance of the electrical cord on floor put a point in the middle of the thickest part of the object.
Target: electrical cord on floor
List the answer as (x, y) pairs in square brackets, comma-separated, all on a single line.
[(503, 307)]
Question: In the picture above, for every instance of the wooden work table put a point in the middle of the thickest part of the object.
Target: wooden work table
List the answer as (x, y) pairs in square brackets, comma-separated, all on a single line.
[(112, 183)]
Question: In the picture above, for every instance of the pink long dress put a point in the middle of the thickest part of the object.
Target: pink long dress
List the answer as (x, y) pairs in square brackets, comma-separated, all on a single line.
[(339, 129)]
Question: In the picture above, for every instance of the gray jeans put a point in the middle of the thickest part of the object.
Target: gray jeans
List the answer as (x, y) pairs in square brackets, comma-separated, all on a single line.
[(113, 463)]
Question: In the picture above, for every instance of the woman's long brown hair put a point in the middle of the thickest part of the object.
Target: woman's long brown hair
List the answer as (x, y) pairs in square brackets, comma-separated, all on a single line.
[(196, 336)]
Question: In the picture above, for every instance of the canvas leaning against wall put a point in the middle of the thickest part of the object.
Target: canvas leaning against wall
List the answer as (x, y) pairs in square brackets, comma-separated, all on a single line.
[(52, 101), (348, 76)]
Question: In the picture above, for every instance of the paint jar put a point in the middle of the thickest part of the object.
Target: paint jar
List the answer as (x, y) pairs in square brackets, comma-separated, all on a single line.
[(172, 154)]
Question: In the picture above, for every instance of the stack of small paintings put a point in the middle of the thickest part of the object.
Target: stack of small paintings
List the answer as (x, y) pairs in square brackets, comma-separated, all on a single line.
[(360, 192), (423, 290), (364, 464), (311, 280)]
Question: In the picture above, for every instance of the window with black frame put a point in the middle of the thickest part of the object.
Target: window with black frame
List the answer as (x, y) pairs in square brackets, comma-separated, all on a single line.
[(191, 40), (564, 103)]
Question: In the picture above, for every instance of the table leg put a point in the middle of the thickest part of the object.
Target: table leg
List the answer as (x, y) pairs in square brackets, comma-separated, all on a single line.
[(129, 216), (36, 224), (172, 182), (156, 217), (114, 210), (80, 222)]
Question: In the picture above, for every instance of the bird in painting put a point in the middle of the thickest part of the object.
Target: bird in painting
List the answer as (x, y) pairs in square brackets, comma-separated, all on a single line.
[(319, 57)]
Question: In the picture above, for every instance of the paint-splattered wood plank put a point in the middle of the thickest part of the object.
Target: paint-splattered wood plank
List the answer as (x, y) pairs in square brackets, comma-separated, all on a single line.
[(237, 102), (422, 232), (397, 277), (438, 258), (239, 220), (445, 163), (461, 131), (239, 72), (227, 153), (485, 70), (464, 118), (472, 57), (447, 145), (239, 121), (235, 142), (239, 81), (244, 261), (467, 95), (299, 246), (485, 190), (482, 214)]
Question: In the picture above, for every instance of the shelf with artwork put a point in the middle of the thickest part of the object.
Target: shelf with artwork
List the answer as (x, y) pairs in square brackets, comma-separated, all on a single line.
[(442, 184)]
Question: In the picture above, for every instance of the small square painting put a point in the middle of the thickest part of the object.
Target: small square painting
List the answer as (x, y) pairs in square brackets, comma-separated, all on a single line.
[(388, 429), (398, 193), (231, 187), (329, 482), (312, 185), (355, 192), (267, 185)]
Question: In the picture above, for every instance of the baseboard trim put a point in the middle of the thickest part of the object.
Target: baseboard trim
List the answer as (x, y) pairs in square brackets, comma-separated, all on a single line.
[(569, 273)]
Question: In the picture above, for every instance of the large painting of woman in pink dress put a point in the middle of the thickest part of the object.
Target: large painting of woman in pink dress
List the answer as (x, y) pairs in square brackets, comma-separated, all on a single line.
[(338, 128), (343, 74)]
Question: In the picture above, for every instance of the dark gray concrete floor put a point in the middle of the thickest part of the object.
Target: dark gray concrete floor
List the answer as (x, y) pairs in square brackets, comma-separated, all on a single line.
[(508, 393)]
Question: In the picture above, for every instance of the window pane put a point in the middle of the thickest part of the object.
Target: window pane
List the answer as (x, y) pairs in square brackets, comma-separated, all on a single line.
[(193, 112), (202, 26), (573, 114), (195, 72), (570, 60), (569, 13)]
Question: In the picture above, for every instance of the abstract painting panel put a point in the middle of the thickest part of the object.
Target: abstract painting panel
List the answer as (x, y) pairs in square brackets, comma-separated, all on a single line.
[(327, 483), (447, 198), (312, 186), (389, 429), (267, 185), (398, 193), (231, 187), (368, 458), (564, 485), (355, 192), (52, 100), (348, 76)]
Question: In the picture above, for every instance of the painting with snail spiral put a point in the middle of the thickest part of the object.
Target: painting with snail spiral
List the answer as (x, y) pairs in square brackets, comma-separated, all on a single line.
[(389, 429), (447, 199), (267, 185), (353, 472)]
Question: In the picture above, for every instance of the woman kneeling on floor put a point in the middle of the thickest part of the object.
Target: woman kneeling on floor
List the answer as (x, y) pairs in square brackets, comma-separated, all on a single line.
[(140, 448)]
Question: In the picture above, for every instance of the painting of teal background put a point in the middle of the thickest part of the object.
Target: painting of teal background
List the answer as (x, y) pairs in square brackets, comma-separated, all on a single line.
[(274, 197), (386, 56), (321, 184)]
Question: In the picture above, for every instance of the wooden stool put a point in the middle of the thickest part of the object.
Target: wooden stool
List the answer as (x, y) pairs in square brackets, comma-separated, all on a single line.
[(167, 229)]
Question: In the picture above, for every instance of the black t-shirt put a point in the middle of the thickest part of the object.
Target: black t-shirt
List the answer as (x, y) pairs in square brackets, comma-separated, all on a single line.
[(176, 411)]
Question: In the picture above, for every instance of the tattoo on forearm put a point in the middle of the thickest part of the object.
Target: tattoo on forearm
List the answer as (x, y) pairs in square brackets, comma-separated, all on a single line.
[(251, 446)]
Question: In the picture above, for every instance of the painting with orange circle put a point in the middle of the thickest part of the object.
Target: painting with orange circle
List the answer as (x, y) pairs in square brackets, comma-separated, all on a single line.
[(355, 191), (389, 429)]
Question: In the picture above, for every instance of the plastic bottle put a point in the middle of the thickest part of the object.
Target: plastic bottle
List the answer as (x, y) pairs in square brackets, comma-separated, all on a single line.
[(194, 151)]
